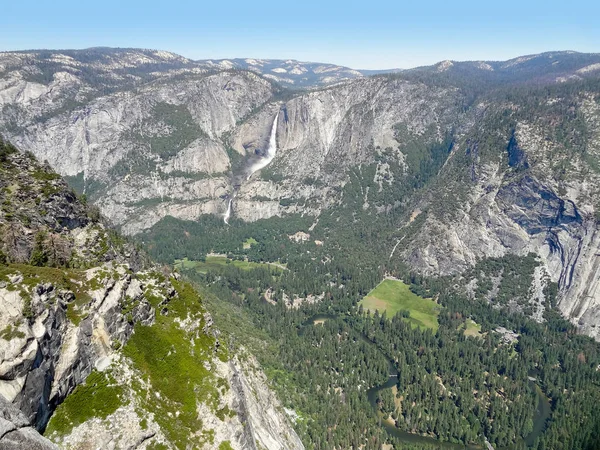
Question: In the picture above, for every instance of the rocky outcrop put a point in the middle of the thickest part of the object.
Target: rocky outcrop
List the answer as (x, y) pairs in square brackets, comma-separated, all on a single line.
[(46, 355), (58, 322), (15, 432), (73, 295), (258, 421)]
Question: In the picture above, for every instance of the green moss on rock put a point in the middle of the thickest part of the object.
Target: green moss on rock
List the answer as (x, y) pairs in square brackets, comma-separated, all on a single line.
[(177, 363), (11, 332), (98, 397)]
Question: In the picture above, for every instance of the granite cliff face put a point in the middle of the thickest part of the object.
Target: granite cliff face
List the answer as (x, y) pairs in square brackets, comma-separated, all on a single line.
[(74, 294), (322, 135), (532, 187), (172, 146), (520, 176), (142, 154)]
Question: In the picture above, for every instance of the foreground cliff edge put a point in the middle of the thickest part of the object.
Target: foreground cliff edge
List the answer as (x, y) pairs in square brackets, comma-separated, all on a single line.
[(99, 346)]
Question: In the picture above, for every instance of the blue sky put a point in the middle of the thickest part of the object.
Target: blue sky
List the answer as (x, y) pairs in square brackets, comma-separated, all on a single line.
[(366, 34)]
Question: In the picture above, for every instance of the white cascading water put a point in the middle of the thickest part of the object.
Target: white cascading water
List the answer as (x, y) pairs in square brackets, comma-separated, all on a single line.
[(228, 212), (260, 164), (271, 151)]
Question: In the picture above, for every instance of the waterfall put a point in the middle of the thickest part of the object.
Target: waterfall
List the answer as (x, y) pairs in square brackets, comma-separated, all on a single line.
[(228, 212), (257, 165), (271, 150)]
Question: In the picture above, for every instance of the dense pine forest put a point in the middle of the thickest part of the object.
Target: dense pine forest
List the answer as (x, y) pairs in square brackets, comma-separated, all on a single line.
[(458, 388)]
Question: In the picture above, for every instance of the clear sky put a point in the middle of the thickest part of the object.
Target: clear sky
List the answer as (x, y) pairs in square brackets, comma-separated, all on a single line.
[(367, 34)]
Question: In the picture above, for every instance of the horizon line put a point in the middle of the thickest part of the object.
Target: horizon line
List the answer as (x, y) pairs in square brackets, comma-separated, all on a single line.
[(99, 47)]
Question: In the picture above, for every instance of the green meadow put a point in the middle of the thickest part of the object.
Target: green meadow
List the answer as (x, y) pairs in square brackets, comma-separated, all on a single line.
[(393, 296), (472, 328), (249, 242), (216, 263)]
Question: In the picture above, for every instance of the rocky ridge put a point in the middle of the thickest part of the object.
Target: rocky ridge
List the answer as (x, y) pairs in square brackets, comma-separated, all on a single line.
[(76, 298)]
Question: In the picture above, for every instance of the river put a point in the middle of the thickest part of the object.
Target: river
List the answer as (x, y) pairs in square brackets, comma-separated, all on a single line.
[(539, 423)]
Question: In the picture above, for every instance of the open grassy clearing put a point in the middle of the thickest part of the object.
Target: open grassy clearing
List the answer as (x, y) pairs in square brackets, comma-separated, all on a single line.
[(472, 328), (218, 262), (393, 296), (249, 243)]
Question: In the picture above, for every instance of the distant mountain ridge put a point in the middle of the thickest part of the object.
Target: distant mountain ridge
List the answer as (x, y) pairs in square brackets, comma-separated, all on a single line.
[(145, 64), (542, 68), (121, 65), (293, 73)]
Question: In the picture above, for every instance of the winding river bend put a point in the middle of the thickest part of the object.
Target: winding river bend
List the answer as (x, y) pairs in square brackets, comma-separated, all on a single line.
[(539, 421)]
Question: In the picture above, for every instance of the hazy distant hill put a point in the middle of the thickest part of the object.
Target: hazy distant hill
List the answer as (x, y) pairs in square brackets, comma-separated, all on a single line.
[(289, 72)]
